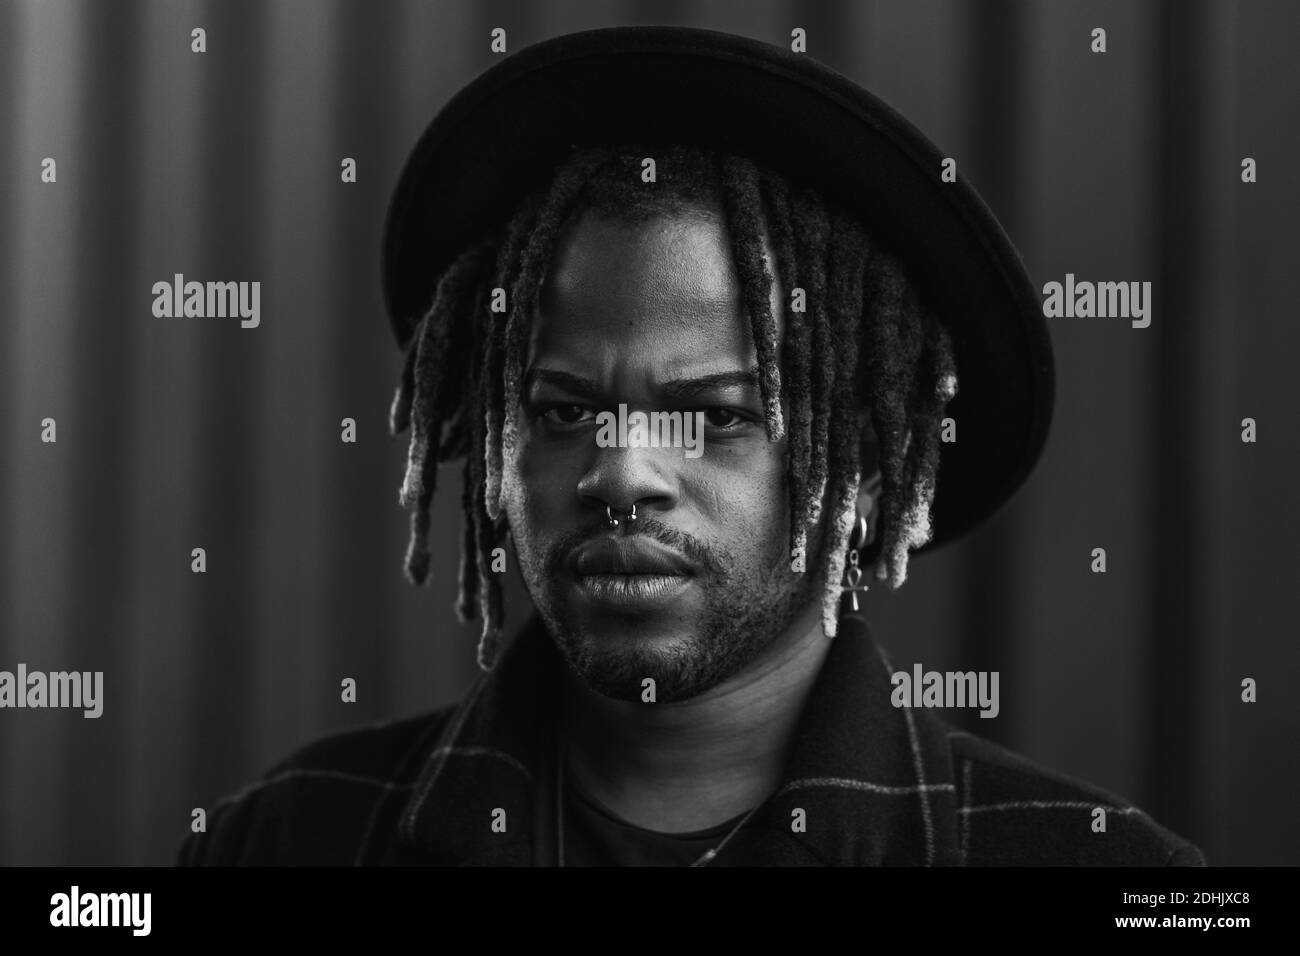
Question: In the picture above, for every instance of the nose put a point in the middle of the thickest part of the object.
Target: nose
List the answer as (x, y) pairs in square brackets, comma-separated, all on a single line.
[(621, 479)]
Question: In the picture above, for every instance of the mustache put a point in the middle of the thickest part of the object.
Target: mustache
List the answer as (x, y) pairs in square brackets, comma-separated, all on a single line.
[(712, 560)]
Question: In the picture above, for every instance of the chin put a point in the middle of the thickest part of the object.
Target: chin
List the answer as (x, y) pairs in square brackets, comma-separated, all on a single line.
[(615, 662), (635, 635)]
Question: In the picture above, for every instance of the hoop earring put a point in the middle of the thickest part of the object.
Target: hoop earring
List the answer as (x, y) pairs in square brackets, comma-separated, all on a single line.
[(853, 575)]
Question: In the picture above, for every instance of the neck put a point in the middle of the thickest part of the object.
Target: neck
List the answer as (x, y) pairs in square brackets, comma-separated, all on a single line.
[(689, 765)]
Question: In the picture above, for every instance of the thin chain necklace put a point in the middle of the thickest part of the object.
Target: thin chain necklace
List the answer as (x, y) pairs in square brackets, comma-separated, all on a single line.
[(705, 859)]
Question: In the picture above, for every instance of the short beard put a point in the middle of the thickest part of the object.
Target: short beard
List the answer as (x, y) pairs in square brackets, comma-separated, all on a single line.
[(744, 613)]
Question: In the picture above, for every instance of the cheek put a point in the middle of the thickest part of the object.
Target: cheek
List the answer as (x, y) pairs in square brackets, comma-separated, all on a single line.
[(539, 488), (744, 497)]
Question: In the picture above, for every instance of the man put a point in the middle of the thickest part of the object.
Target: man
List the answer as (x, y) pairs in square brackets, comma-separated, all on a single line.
[(698, 685)]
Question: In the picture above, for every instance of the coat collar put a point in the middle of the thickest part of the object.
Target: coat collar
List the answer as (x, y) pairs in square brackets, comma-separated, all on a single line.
[(874, 782)]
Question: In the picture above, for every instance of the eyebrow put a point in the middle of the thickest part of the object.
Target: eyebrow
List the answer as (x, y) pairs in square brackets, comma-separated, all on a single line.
[(677, 388)]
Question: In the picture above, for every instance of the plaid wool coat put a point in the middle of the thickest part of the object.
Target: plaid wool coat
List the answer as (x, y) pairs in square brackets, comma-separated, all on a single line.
[(879, 786)]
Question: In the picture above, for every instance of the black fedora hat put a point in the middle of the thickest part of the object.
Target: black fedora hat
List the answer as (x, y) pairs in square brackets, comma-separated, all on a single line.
[(500, 137)]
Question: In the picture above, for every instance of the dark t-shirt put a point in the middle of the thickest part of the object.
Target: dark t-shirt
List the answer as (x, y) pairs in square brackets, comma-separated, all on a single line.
[(594, 836)]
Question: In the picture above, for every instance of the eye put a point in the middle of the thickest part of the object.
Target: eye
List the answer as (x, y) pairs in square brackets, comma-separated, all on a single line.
[(564, 414), (721, 417)]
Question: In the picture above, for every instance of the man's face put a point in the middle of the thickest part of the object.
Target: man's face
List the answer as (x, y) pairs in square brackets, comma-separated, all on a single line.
[(690, 592)]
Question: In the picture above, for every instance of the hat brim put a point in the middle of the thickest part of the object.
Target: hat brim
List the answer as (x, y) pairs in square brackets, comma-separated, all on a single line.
[(501, 136)]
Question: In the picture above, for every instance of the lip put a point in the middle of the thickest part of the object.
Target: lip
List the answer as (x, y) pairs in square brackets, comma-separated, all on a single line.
[(633, 592), (629, 556), (630, 574)]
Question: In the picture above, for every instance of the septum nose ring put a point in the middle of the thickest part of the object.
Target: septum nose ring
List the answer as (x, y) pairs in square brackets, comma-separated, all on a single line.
[(613, 522)]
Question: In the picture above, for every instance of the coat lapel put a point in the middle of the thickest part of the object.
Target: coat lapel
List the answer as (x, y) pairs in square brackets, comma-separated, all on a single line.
[(874, 783), (473, 803)]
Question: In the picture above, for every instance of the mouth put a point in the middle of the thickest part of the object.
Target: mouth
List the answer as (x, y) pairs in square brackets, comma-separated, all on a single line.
[(630, 574), (632, 590)]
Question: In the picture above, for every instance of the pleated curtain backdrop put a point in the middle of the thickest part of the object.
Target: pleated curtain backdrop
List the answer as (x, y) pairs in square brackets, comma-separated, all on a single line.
[(179, 434)]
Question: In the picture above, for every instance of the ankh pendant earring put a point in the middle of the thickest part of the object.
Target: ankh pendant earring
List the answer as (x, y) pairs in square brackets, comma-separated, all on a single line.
[(852, 577), (613, 522)]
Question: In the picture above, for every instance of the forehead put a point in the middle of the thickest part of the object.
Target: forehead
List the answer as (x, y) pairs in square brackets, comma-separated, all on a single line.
[(660, 298)]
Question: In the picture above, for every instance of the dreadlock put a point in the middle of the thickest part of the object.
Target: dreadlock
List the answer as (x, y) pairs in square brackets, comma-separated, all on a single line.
[(861, 321)]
